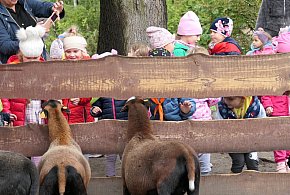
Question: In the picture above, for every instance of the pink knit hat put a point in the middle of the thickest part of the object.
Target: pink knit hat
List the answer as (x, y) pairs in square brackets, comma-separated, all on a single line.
[(189, 24), (159, 37), (283, 40)]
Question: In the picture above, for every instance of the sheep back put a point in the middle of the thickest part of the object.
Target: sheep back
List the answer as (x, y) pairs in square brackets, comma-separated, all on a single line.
[(147, 163), (18, 174), (64, 155)]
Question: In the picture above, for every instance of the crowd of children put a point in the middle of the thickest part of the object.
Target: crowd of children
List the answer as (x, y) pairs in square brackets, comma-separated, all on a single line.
[(72, 46)]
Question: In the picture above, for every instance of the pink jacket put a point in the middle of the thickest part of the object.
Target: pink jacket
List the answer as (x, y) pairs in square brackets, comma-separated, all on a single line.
[(268, 49), (280, 104), (203, 111)]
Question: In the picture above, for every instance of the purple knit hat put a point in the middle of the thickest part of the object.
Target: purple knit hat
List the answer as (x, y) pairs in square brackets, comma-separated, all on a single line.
[(262, 36), (189, 24), (159, 37), (222, 26)]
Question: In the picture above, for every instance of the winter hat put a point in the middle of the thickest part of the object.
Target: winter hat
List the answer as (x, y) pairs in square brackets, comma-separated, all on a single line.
[(75, 42), (222, 26), (159, 37), (189, 24), (30, 42), (56, 49), (98, 56), (283, 40), (262, 35)]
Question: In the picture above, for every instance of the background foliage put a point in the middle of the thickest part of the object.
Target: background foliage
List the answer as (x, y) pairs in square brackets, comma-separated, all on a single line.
[(243, 12)]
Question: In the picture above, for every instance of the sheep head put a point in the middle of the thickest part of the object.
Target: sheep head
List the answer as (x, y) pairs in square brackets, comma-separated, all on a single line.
[(134, 100), (50, 105)]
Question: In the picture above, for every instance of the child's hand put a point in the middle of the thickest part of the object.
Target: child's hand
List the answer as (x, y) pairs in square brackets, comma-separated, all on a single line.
[(269, 111), (185, 107), (75, 101), (13, 117), (96, 109)]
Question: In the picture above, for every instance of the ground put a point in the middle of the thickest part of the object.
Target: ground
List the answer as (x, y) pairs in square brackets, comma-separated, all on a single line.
[(221, 164)]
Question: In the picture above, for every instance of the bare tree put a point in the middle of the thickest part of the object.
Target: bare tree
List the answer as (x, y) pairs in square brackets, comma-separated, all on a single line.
[(124, 22)]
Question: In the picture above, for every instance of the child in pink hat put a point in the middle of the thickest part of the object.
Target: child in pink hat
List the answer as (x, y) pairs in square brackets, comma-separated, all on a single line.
[(188, 33), (262, 43), (279, 105), (283, 40)]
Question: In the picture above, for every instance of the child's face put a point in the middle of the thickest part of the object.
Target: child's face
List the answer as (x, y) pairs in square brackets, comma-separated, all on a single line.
[(234, 101), (73, 54), (216, 37), (191, 39), (257, 43)]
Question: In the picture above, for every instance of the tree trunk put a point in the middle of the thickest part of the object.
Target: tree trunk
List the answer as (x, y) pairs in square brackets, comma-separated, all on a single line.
[(123, 23)]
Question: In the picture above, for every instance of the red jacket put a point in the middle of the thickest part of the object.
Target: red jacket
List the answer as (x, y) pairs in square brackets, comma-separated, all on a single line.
[(280, 104), (17, 107), (78, 113)]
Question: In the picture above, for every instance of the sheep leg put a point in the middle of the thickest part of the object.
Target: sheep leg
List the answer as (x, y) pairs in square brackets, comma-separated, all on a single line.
[(126, 191)]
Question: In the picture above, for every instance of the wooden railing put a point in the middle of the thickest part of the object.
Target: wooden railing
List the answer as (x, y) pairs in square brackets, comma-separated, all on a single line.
[(195, 76)]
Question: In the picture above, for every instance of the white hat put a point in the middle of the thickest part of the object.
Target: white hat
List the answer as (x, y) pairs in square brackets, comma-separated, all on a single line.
[(75, 42), (30, 42), (159, 37)]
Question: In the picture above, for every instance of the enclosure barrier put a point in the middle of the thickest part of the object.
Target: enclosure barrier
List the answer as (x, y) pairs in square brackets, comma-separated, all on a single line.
[(195, 76)]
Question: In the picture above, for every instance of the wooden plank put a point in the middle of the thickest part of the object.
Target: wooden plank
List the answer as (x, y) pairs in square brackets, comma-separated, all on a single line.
[(108, 137), (248, 182), (121, 77)]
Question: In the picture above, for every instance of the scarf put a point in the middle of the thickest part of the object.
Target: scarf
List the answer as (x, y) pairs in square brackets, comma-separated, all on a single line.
[(158, 107)]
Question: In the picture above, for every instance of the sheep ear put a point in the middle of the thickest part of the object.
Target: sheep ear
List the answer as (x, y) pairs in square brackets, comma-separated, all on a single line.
[(147, 103), (125, 108), (43, 114), (65, 109)]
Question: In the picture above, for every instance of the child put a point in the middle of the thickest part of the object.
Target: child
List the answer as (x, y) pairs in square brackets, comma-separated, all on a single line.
[(161, 41), (240, 107), (221, 41), (283, 40), (279, 105), (138, 50), (188, 33), (109, 108), (262, 43), (56, 51)]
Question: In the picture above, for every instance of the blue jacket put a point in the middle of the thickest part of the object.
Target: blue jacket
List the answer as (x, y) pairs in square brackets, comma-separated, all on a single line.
[(111, 109), (172, 110), (9, 45)]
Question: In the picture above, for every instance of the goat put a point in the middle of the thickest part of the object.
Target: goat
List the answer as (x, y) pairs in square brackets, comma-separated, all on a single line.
[(63, 168), (151, 166), (18, 175)]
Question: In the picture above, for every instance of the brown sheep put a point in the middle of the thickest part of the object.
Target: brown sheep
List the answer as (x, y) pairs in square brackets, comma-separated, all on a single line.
[(18, 175), (151, 166), (63, 168)]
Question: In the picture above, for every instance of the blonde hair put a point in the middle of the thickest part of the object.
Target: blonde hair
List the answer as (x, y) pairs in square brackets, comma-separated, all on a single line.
[(139, 49), (72, 31), (198, 49)]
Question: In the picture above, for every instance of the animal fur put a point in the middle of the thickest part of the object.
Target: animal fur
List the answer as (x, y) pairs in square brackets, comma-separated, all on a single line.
[(150, 166), (18, 175), (63, 168)]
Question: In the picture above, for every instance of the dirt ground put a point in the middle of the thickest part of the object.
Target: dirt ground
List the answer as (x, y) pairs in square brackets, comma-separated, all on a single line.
[(221, 164)]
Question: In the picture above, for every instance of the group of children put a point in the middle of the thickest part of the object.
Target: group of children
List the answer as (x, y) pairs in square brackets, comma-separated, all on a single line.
[(72, 46)]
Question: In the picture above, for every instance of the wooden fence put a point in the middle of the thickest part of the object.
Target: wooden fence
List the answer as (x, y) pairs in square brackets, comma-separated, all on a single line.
[(194, 76)]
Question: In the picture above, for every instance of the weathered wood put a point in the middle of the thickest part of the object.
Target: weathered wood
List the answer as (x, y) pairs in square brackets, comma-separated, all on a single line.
[(107, 136), (248, 182), (121, 77)]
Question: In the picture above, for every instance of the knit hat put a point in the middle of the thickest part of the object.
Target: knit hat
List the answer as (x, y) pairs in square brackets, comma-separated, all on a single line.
[(222, 26), (283, 40), (189, 24), (75, 42), (30, 42), (262, 36), (56, 49), (159, 37)]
